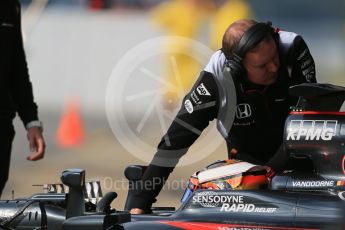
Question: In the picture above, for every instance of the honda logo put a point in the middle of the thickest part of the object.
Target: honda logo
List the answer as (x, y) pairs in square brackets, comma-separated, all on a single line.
[(243, 111)]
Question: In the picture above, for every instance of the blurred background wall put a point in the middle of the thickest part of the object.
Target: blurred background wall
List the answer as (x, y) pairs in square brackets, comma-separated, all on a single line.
[(72, 47)]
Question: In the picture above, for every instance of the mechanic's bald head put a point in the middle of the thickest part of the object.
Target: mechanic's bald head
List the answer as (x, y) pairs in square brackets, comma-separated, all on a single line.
[(234, 33)]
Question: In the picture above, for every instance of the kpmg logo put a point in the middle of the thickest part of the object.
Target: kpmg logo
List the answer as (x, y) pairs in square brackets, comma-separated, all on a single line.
[(243, 111), (310, 130)]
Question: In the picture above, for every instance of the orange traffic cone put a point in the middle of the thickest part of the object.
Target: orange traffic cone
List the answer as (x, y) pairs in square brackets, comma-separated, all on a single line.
[(70, 132)]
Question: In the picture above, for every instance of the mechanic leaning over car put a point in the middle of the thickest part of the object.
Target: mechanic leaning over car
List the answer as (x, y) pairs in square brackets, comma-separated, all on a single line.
[(16, 94), (264, 62)]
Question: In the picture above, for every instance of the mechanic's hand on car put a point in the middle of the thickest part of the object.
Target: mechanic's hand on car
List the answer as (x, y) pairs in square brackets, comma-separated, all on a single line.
[(36, 143), (137, 211)]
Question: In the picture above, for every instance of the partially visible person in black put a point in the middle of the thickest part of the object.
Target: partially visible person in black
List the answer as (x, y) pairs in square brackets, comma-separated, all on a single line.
[(15, 90), (264, 63)]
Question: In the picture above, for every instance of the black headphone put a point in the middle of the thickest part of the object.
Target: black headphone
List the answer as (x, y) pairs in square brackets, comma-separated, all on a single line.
[(249, 40)]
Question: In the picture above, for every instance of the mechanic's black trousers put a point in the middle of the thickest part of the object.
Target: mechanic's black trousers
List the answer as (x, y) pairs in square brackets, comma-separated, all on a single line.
[(6, 138)]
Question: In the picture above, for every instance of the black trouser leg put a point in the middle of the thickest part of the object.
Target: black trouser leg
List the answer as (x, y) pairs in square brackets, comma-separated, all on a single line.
[(6, 138)]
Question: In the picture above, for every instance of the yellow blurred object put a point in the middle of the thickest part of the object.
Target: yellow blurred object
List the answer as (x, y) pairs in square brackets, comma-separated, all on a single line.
[(229, 12), (180, 18)]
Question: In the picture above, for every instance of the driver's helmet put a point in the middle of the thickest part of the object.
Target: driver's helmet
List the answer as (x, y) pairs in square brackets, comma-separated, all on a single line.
[(229, 175)]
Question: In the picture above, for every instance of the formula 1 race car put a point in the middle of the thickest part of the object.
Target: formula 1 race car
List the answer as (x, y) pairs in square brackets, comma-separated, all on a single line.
[(315, 129)]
